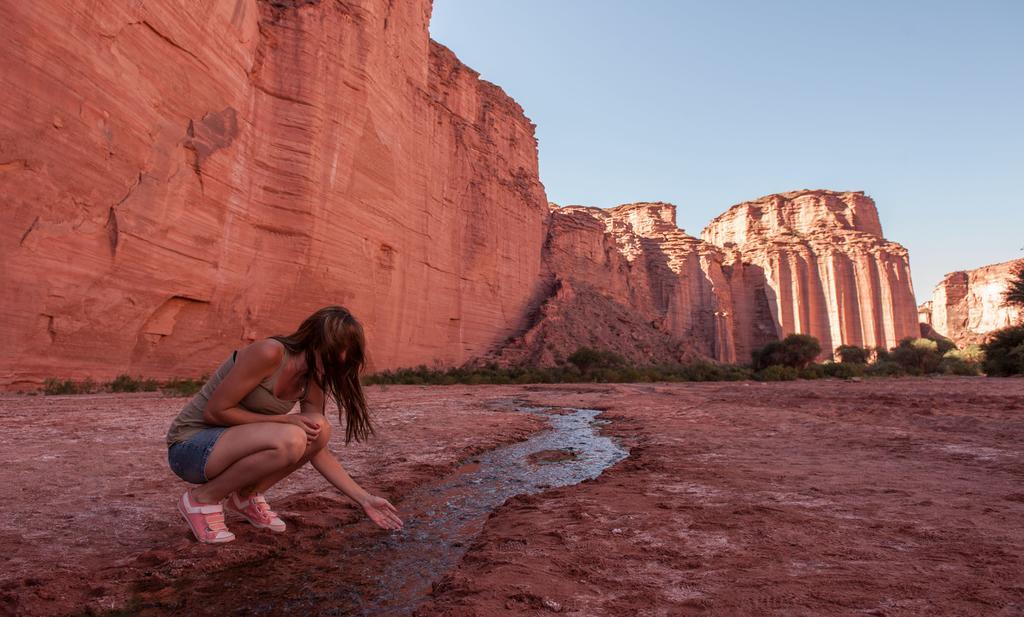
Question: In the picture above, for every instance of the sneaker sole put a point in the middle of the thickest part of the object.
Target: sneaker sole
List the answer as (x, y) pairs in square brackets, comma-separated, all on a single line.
[(188, 521)]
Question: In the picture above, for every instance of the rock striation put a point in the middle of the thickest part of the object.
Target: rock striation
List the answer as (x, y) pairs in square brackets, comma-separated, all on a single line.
[(814, 262), (180, 178), (630, 280), (968, 305)]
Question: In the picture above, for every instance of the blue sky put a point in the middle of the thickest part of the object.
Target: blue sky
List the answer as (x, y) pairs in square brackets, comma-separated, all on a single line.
[(706, 104)]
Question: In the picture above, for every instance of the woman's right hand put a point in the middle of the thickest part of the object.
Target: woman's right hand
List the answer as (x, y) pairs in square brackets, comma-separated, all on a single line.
[(312, 427)]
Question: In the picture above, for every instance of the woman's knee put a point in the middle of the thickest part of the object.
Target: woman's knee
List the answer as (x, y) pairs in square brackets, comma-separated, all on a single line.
[(291, 442)]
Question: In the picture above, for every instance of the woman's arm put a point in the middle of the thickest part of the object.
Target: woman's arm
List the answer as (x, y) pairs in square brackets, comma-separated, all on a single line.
[(253, 364), (329, 467), (377, 508)]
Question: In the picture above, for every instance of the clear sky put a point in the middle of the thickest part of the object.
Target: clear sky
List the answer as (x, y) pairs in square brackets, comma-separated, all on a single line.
[(706, 104)]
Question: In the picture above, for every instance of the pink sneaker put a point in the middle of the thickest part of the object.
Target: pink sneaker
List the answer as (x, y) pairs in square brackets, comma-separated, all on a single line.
[(205, 520), (256, 510)]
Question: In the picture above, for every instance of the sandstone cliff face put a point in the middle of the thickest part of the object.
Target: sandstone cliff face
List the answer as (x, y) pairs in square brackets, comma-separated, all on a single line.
[(629, 280), (967, 306), (814, 262), (181, 178)]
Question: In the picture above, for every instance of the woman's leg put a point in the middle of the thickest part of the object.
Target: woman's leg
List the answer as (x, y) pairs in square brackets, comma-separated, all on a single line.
[(246, 453), (314, 446)]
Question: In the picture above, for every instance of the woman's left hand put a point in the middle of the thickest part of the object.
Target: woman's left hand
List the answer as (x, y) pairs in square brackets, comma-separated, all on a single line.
[(381, 512)]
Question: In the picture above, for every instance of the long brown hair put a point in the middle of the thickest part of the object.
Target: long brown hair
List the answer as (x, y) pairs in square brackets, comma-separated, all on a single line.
[(324, 335)]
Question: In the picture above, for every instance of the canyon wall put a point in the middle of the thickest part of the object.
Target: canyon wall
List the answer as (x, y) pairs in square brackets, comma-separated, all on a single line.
[(630, 280), (814, 262), (626, 279), (180, 178), (966, 306)]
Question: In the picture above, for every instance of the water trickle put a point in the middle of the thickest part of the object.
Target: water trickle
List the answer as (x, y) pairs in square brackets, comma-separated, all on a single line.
[(391, 574)]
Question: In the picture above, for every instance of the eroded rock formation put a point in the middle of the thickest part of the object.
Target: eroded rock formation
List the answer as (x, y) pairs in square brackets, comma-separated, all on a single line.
[(814, 262), (180, 178), (626, 279), (968, 305), (807, 261)]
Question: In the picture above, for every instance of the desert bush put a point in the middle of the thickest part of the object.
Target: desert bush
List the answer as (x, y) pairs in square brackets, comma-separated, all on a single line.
[(813, 371), (777, 372), (918, 356), (884, 368), (126, 383), (795, 351), (1004, 352), (852, 354), (844, 370), (568, 373), (586, 358), (971, 353), (952, 365), (966, 361), (52, 385), (182, 387)]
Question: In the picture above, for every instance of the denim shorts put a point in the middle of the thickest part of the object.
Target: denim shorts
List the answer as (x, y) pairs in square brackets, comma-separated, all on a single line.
[(188, 458)]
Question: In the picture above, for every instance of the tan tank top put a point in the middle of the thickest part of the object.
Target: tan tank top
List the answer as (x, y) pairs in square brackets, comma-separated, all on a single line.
[(260, 400)]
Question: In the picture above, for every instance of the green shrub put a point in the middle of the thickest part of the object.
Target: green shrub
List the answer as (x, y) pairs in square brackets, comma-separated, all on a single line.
[(884, 368), (957, 366), (813, 371), (844, 370), (944, 345), (124, 383), (851, 354), (1004, 352), (182, 387), (777, 372), (795, 351), (52, 385), (971, 353), (567, 373), (966, 361), (918, 356), (586, 358)]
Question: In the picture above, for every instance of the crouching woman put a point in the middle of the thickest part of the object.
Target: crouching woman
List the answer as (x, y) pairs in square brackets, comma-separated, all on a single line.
[(236, 438)]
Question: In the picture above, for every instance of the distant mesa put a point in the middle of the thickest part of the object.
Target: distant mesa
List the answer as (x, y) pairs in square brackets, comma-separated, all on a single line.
[(968, 305), (629, 279)]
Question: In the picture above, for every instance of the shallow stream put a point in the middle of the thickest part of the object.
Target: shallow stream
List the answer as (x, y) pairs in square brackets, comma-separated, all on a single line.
[(392, 574)]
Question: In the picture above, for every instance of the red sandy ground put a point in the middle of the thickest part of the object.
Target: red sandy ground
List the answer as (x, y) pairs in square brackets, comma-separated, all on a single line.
[(883, 497), (89, 501)]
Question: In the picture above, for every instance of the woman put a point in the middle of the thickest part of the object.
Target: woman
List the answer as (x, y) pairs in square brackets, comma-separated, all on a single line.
[(236, 437)]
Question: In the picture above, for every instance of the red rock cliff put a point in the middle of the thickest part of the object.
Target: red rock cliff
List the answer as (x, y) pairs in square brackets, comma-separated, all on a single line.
[(814, 262), (629, 280), (968, 305), (182, 177)]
